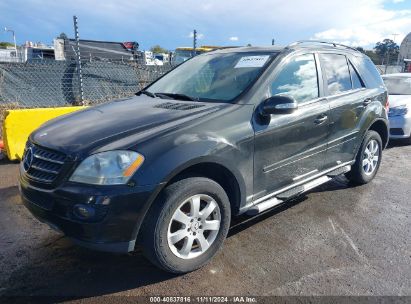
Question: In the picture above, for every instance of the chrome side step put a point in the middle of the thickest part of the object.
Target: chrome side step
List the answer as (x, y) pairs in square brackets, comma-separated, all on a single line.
[(270, 203), (288, 192), (316, 182), (339, 171)]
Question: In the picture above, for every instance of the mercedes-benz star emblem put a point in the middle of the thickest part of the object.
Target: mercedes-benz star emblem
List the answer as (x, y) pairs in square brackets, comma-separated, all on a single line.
[(28, 159)]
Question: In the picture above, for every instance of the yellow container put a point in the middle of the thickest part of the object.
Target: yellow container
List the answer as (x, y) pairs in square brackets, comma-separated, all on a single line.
[(18, 125)]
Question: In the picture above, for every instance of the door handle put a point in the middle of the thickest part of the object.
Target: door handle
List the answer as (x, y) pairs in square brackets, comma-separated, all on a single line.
[(367, 101), (320, 119)]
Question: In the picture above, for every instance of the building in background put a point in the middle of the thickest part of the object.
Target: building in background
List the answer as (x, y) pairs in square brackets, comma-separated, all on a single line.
[(10, 54), (405, 53), (35, 51), (29, 51)]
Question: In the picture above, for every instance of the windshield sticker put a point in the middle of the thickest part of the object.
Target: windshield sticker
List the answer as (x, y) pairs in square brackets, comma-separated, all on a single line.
[(251, 61)]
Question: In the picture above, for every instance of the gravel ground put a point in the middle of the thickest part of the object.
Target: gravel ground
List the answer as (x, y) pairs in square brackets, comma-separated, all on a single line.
[(336, 240)]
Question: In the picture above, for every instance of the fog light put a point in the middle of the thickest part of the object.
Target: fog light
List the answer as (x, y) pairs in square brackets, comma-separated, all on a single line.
[(83, 211)]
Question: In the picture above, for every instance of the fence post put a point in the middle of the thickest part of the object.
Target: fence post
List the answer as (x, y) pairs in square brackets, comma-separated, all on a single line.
[(78, 60)]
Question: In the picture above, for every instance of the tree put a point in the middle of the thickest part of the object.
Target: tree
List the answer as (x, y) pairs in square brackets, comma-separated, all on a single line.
[(62, 36), (387, 50), (375, 58), (158, 49), (6, 44), (360, 49)]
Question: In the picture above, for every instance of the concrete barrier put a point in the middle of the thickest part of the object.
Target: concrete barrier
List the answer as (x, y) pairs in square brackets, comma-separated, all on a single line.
[(18, 125)]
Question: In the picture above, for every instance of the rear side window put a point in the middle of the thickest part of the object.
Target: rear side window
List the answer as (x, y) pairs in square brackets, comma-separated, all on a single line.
[(336, 73), (297, 79), (357, 83), (368, 72)]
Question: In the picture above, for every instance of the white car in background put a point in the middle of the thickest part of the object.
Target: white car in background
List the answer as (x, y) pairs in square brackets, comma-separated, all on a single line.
[(399, 90)]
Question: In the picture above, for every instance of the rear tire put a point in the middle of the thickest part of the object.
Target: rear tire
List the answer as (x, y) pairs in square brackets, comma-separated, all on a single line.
[(368, 159), (186, 225)]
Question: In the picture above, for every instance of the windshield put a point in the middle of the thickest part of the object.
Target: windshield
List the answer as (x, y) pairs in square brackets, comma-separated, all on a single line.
[(398, 85), (220, 77), (182, 55)]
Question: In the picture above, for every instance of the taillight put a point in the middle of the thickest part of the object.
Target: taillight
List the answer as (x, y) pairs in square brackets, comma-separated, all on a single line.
[(387, 105)]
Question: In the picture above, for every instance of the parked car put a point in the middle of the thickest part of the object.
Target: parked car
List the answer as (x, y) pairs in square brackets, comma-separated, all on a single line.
[(399, 90), (230, 132)]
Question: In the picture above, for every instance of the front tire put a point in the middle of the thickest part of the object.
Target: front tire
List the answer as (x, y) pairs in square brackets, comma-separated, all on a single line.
[(368, 159), (187, 225)]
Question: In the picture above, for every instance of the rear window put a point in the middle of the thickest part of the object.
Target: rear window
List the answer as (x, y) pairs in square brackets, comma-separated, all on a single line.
[(357, 83), (336, 73)]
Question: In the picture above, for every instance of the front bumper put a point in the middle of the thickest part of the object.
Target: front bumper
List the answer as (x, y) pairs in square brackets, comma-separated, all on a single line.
[(400, 126), (119, 212)]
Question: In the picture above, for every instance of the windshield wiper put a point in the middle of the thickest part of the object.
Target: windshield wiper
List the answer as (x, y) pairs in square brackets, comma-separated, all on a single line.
[(146, 93), (176, 96)]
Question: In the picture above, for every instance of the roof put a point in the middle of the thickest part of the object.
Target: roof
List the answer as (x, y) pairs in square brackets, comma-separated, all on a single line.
[(251, 49), (312, 45)]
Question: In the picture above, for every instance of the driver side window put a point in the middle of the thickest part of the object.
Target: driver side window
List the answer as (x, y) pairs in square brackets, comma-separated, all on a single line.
[(298, 79)]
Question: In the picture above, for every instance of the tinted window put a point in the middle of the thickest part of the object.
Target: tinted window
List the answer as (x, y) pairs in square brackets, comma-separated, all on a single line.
[(298, 79), (368, 71), (213, 76), (356, 80), (336, 73)]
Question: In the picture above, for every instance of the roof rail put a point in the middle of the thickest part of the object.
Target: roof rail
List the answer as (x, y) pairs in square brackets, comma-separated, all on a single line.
[(321, 42)]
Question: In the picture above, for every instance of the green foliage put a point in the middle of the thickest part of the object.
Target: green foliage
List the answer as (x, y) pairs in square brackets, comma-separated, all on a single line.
[(360, 49), (387, 50), (158, 49), (6, 44), (375, 58)]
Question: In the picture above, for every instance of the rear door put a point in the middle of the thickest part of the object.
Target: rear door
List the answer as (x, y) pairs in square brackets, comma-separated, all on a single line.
[(347, 97)]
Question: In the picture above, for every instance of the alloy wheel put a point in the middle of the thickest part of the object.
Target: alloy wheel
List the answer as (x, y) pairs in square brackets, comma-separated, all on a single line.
[(371, 157), (194, 226)]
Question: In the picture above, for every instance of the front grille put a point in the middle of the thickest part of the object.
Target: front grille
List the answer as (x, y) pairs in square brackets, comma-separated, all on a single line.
[(396, 131), (44, 165)]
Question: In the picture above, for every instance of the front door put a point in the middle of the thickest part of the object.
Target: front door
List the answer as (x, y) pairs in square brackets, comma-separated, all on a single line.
[(292, 147)]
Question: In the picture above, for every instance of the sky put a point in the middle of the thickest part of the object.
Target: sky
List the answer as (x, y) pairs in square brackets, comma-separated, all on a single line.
[(170, 23)]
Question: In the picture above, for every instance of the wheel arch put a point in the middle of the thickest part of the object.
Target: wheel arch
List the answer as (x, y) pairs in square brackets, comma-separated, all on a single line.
[(381, 127), (227, 177)]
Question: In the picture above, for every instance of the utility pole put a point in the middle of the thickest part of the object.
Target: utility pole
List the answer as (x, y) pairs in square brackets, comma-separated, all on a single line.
[(398, 57), (14, 38), (388, 61), (78, 59), (194, 42)]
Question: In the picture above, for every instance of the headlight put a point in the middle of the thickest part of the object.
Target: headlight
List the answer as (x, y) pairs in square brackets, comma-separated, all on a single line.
[(398, 111), (108, 168)]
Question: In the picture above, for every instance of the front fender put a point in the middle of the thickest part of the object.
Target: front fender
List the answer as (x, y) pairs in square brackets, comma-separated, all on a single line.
[(163, 168), (184, 154)]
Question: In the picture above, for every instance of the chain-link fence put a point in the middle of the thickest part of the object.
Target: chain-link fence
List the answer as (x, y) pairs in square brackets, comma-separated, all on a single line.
[(52, 83)]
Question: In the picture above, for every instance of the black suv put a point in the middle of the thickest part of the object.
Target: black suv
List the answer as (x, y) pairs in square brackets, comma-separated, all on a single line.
[(228, 132)]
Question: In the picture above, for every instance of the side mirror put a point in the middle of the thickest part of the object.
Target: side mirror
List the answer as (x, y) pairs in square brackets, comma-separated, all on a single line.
[(278, 104)]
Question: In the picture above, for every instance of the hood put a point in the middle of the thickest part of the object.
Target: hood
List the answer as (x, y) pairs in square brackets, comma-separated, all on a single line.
[(398, 100), (95, 127)]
